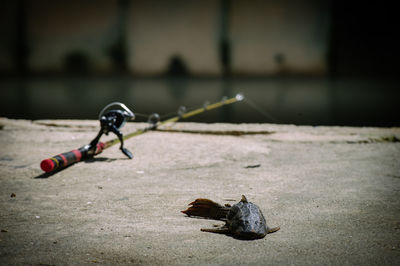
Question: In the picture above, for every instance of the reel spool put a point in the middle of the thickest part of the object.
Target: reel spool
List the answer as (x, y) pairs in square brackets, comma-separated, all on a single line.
[(112, 121)]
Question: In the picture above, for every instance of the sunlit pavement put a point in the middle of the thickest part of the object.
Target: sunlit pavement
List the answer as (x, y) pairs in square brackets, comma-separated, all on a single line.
[(334, 191)]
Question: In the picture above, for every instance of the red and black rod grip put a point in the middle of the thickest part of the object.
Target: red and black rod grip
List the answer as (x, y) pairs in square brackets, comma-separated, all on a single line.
[(64, 159)]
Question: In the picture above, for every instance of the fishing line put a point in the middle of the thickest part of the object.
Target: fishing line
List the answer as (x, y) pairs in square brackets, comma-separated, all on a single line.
[(170, 114), (142, 115), (181, 109), (260, 110)]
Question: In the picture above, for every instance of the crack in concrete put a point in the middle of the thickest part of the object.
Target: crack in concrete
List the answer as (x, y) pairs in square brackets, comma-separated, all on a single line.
[(223, 133), (49, 124)]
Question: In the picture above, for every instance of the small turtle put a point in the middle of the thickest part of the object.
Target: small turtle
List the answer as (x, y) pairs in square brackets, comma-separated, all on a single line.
[(243, 220)]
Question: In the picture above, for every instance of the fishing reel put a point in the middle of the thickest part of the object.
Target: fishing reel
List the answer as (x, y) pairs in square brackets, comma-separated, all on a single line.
[(112, 121)]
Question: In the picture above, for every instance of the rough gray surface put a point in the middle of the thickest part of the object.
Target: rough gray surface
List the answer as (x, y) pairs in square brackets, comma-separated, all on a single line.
[(334, 191)]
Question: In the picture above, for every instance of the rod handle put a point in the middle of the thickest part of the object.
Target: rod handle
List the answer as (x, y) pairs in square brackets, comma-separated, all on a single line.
[(64, 159)]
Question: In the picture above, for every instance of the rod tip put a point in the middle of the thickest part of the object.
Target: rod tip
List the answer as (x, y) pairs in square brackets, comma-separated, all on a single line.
[(239, 97)]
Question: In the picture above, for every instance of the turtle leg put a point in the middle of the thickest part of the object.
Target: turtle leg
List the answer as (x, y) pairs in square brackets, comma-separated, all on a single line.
[(273, 230), (220, 230)]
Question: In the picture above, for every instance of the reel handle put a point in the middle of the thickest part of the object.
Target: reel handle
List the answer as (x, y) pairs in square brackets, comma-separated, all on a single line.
[(64, 159)]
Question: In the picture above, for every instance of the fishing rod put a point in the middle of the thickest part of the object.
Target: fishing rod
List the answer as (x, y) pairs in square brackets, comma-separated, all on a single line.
[(112, 121)]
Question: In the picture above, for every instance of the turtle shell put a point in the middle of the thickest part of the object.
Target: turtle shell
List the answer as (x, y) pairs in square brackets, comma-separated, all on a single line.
[(246, 220)]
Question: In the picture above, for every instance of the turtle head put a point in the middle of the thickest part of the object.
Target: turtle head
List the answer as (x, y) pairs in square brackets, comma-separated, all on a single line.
[(244, 199)]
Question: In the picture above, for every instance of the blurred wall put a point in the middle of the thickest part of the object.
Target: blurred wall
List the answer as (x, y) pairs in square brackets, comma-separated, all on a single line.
[(73, 35), (156, 37), (279, 36), (8, 29), (364, 39), (160, 31)]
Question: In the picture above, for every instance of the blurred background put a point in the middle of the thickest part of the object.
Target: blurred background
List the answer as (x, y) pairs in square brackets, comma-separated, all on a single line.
[(305, 62)]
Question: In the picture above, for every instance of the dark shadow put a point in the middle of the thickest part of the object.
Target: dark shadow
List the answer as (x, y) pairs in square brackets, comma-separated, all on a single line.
[(253, 166), (102, 159), (227, 234), (280, 62), (225, 57), (47, 175), (177, 67), (224, 42), (363, 39), (76, 62), (226, 113), (244, 239), (118, 50), (117, 53), (21, 51), (177, 86), (177, 74), (89, 160), (205, 218)]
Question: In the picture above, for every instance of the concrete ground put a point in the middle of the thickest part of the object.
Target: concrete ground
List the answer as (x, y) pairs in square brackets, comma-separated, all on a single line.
[(334, 191)]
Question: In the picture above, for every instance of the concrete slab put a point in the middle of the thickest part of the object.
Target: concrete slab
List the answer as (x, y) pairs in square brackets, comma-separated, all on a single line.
[(334, 191)]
